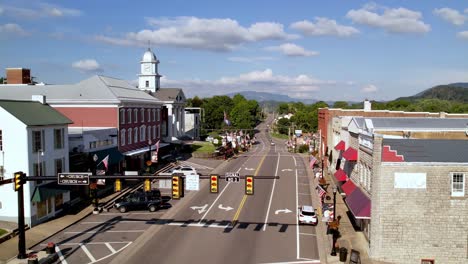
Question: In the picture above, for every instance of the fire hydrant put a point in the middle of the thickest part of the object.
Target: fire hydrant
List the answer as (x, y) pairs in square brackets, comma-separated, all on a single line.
[(50, 249)]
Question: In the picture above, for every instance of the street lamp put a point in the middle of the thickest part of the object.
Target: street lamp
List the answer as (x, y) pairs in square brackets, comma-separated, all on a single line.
[(93, 186), (149, 150), (334, 229)]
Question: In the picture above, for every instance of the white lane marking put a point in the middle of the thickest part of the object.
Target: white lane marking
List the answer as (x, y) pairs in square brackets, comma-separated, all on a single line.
[(297, 220), (91, 243), (217, 198), (286, 210), (200, 209), (291, 262), (286, 170), (199, 225), (220, 206), (86, 251), (272, 191), (61, 257), (104, 231), (110, 248), (307, 234), (195, 165), (249, 169), (119, 222)]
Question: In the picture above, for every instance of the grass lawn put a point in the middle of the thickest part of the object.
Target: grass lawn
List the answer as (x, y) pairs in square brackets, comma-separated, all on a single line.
[(281, 136), (203, 147), (2, 232)]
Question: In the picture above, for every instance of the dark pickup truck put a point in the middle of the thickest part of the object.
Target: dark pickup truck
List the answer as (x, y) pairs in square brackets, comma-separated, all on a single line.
[(151, 201)]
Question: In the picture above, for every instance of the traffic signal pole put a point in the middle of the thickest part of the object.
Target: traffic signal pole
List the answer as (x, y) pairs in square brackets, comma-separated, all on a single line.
[(21, 229)]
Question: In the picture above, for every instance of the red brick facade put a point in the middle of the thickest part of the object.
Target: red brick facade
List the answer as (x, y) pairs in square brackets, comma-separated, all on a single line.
[(18, 76)]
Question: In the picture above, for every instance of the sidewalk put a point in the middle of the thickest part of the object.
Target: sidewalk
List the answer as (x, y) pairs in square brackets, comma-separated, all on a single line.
[(37, 234), (350, 239)]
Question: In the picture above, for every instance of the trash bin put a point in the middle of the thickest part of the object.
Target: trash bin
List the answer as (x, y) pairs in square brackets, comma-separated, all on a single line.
[(343, 254)]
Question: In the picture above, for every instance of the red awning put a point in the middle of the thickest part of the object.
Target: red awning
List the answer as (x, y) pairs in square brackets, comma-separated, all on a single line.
[(340, 145), (350, 154), (359, 204), (348, 187), (340, 175)]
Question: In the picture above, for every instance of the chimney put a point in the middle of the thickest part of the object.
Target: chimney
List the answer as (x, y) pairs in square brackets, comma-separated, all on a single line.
[(367, 105), (18, 76), (39, 98), (442, 114)]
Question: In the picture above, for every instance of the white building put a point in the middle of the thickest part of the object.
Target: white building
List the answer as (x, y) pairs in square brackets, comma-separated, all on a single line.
[(173, 99), (33, 139), (193, 122)]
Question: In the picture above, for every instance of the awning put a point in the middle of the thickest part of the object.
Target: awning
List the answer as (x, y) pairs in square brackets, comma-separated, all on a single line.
[(114, 155), (348, 187), (359, 204), (340, 145), (44, 192), (350, 154), (143, 150), (340, 175)]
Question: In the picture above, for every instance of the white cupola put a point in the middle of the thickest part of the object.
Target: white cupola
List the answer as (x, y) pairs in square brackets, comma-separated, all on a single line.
[(148, 79)]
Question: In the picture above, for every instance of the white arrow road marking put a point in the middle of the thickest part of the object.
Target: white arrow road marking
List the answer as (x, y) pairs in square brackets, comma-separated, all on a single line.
[(249, 169), (286, 170), (283, 211), (201, 209), (225, 208)]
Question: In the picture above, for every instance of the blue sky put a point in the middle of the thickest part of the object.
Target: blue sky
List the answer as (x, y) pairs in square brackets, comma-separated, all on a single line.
[(323, 50)]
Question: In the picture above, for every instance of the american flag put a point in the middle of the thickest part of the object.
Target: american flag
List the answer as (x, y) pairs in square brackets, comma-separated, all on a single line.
[(321, 192), (226, 120), (312, 162)]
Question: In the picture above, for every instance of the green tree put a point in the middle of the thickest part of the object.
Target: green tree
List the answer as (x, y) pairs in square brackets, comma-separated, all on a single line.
[(194, 102), (283, 126), (283, 108), (241, 116), (340, 104)]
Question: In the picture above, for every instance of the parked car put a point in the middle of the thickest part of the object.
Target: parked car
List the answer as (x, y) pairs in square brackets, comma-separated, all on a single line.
[(151, 201), (272, 143), (307, 215), (186, 170)]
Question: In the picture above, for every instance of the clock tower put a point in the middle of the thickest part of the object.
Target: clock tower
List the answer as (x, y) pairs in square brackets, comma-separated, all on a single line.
[(148, 79)]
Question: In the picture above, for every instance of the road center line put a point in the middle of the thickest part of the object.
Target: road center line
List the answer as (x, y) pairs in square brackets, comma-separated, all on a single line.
[(272, 192), (108, 231)]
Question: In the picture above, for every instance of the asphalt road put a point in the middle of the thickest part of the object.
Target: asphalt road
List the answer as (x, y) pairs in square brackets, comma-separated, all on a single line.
[(228, 227)]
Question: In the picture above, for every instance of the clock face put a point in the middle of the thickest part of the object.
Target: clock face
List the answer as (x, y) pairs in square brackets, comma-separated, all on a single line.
[(147, 67)]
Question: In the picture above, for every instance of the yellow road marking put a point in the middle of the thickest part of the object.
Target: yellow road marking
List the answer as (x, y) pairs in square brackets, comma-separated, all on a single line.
[(241, 205)]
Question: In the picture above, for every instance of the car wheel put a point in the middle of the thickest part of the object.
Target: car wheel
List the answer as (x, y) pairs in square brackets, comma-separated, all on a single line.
[(123, 209), (152, 208)]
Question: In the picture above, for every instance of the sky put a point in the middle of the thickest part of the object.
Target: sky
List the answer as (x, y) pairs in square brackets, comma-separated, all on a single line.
[(323, 50)]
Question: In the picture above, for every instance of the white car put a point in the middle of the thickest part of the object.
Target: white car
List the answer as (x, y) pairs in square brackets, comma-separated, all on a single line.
[(186, 170), (307, 215)]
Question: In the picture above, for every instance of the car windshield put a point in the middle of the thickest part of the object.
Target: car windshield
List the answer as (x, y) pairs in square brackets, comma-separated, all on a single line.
[(308, 213)]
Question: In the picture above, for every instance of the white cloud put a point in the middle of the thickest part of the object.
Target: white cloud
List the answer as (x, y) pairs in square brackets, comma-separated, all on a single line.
[(87, 65), (393, 20), (293, 50), (250, 59), (200, 33), (324, 26), (12, 29), (264, 81), (450, 15), (463, 35), (370, 88), (39, 10), (1, 10)]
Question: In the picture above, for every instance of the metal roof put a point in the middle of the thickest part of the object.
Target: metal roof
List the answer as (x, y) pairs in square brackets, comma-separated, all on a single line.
[(429, 150), (168, 94), (97, 89), (34, 113), (414, 123)]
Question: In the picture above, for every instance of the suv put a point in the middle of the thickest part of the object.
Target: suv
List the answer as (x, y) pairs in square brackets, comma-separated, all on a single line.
[(307, 215), (151, 201), (186, 170)]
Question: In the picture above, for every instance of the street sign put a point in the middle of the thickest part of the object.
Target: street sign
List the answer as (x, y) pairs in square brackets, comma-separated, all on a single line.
[(73, 178), (232, 176), (192, 182)]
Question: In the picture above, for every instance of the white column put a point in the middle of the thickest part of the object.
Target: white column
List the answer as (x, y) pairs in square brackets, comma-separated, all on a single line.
[(170, 121)]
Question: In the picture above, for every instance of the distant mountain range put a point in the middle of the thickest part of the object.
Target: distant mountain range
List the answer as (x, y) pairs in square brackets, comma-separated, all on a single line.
[(450, 92)]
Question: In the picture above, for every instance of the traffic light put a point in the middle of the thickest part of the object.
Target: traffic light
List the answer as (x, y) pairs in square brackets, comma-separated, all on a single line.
[(118, 185), (176, 186), (249, 185), (214, 180), (19, 180), (147, 185)]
